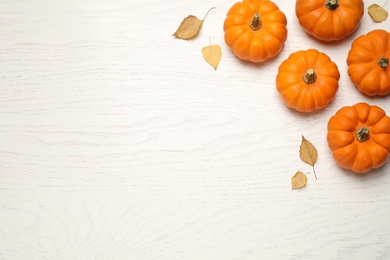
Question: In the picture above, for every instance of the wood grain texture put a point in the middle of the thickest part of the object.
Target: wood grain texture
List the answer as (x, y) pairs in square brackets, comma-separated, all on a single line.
[(118, 141)]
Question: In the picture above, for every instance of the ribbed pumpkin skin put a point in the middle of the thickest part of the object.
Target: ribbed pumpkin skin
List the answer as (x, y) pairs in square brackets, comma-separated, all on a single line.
[(298, 94), (329, 25), (347, 150), (255, 45), (363, 67)]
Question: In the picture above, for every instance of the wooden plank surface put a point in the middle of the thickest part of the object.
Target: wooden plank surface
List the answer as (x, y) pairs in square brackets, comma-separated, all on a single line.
[(118, 141)]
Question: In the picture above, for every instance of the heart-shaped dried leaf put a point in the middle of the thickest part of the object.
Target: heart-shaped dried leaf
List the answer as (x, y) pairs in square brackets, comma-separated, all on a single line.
[(377, 13), (189, 27), (308, 152), (212, 54), (298, 181)]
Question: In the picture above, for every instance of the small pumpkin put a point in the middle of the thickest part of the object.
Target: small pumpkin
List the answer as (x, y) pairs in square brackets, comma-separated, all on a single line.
[(255, 30), (368, 63), (359, 137), (307, 80), (329, 20)]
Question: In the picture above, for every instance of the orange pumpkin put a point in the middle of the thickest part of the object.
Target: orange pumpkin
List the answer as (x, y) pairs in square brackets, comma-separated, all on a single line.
[(368, 63), (329, 20), (255, 30), (359, 137), (307, 80)]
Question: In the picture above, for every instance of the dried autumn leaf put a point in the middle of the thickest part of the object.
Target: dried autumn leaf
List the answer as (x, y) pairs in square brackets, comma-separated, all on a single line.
[(377, 13), (190, 27), (212, 54), (308, 153), (298, 181)]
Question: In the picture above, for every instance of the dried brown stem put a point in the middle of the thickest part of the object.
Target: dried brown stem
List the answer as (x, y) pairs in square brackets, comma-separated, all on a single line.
[(256, 22), (309, 77), (363, 134), (332, 4)]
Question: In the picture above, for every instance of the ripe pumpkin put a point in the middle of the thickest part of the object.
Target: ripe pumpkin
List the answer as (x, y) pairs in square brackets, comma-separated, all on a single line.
[(359, 137), (329, 20), (255, 30), (307, 80), (368, 63)]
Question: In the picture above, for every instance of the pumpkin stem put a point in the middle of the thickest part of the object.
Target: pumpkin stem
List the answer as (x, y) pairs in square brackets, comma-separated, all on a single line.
[(383, 62), (363, 134), (332, 4), (309, 77), (256, 22)]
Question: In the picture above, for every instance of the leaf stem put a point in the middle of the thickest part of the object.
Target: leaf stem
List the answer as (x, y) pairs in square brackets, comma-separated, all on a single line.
[(314, 170), (208, 13)]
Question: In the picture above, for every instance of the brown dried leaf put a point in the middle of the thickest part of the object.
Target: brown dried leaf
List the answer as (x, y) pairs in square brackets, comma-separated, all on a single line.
[(308, 152), (189, 27), (298, 181), (377, 13), (212, 54)]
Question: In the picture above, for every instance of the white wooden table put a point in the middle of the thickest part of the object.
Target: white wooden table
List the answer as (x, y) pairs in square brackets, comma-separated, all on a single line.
[(118, 141)]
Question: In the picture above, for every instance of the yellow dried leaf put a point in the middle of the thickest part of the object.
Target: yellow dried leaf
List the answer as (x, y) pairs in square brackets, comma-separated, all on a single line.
[(189, 27), (212, 54), (377, 13), (308, 153), (298, 181)]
